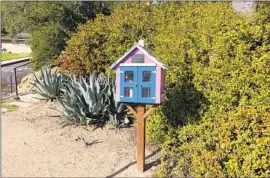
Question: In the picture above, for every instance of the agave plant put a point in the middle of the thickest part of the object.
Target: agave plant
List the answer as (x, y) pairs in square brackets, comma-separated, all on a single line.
[(48, 85), (84, 102)]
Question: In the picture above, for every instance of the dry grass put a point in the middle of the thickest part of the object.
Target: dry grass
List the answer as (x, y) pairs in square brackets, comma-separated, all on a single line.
[(8, 56), (10, 107)]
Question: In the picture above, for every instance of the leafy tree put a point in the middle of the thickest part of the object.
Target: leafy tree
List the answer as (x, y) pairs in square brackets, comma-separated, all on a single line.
[(50, 24), (97, 43), (3, 31)]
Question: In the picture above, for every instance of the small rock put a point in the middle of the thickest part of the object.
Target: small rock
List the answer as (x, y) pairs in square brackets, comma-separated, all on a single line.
[(26, 86), (3, 110)]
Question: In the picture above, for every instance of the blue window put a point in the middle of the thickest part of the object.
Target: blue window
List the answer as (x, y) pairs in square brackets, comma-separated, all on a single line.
[(137, 84)]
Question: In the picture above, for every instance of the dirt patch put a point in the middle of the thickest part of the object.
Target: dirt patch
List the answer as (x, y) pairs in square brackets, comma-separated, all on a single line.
[(37, 143)]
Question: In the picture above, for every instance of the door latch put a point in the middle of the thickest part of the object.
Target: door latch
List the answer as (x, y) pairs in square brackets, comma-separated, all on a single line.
[(135, 84)]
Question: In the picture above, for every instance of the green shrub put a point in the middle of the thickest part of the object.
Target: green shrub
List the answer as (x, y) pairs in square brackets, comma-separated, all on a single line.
[(224, 58), (50, 24), (219, 69), (156, 127), (99, 43), (184, 105), (50, 43), (236, 144)]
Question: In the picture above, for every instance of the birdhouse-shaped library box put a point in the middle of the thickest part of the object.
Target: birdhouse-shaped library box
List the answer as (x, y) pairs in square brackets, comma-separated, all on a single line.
[(140, 76)]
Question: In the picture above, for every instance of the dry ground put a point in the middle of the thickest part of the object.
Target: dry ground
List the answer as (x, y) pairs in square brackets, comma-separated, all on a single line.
[(37, 143)]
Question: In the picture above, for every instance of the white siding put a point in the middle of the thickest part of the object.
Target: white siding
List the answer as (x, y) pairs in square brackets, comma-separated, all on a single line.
[(16, 47)]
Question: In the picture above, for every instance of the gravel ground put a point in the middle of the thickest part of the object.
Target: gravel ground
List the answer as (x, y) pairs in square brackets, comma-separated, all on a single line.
[(37, 143)]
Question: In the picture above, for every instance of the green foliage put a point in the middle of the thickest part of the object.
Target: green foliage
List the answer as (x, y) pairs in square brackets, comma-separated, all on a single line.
[(92, 101), (219, 69), (50, 24), (48, 85), (156, 127), (229, 145), (47, 49), (3, 31), (220, 66), (9, 107), (98, 43), (8, 56), (84, 102)]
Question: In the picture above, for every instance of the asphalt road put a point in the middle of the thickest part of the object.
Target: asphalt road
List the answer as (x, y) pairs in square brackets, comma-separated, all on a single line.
[(7, 76)]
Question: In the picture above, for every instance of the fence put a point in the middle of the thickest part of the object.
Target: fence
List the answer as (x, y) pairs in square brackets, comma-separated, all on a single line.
[(11, 77), (12, 80)]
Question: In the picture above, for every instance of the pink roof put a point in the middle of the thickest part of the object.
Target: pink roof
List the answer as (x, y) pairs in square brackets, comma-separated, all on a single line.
[(145, 51)]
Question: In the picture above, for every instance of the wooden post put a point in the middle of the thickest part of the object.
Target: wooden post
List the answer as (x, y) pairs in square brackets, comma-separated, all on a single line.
[(140, 115), (140, 137)]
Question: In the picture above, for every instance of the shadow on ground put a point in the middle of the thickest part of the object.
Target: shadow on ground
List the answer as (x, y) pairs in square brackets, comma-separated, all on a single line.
[(147, 166)]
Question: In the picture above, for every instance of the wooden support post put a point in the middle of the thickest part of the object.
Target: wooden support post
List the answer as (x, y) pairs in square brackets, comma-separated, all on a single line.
[(140, 137), (132, 110), (149, 111), (140, 116)]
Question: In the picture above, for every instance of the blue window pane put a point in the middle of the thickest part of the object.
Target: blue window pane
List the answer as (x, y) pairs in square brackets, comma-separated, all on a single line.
[(146, 92), (128, 76), (128, 92), (146, 76)]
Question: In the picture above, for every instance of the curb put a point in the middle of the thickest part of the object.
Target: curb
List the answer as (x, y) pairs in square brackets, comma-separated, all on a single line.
[(14, 61)]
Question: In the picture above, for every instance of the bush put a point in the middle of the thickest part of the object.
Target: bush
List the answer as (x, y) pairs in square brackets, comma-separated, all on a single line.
[(99, 43), (219, 70), (156, 127), (48, 47), (232, 145), (50, 24), (224, 57)]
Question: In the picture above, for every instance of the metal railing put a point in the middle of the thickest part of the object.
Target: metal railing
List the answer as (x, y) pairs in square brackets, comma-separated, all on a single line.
[(15, 72), (10, 79), (15, 75)]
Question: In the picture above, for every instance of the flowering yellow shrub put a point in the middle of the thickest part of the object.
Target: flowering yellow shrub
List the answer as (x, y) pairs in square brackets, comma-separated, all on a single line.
[(215, 121)]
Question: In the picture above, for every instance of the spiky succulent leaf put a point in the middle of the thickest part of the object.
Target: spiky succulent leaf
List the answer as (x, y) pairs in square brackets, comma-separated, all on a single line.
[(48, 85), (86, 98)]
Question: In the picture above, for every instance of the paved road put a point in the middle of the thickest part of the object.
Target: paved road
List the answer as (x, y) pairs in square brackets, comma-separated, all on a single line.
[(7, 73)]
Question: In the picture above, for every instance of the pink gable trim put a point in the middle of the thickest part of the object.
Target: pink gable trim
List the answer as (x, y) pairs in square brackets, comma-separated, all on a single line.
[(136, 51), (127, 59), (136, 48), (117, 84), (158, 84)]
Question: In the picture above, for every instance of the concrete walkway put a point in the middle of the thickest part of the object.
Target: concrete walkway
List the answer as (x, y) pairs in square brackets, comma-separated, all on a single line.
[(14, 61)]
